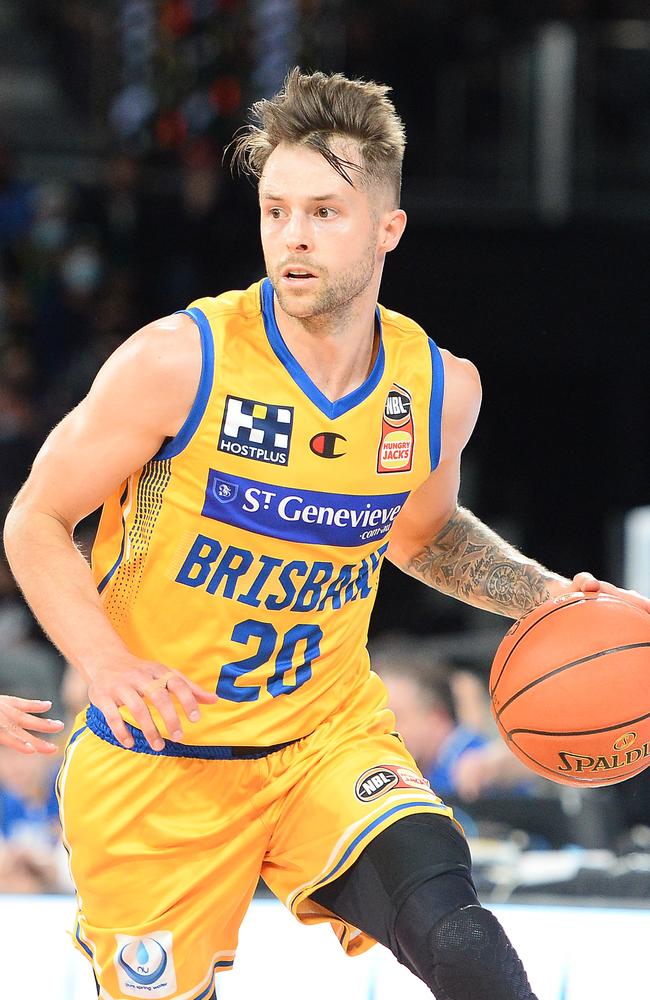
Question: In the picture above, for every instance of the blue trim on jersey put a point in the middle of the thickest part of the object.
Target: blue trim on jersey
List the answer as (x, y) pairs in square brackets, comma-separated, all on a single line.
[(330, 409), (181, 440), (436, 806), (435, 404), (102, 584)]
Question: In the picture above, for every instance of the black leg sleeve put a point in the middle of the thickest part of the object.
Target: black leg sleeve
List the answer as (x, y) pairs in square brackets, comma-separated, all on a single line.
[(412, 891)]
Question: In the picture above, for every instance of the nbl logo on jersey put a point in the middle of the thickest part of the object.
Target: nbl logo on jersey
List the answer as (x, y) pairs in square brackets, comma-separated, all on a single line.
[(395, 453), (261, 431)]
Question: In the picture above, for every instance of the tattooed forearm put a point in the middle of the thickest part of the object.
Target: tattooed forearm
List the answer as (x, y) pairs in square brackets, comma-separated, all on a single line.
[(469, 561)]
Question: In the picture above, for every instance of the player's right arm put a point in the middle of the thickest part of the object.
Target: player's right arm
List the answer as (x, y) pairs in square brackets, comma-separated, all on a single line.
[(141, 396)]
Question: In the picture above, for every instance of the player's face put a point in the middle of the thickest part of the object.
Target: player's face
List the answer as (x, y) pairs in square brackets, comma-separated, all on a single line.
[(323, 240)]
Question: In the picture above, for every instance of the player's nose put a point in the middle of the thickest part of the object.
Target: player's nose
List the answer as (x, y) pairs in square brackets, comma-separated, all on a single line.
[(297, 233)]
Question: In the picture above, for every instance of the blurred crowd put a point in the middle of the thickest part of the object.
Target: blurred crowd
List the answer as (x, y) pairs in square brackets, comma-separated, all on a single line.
[(85, 262)]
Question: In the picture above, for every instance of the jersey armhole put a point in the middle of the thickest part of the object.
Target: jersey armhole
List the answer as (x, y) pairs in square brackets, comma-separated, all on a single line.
[(174, 446), (435, 403)]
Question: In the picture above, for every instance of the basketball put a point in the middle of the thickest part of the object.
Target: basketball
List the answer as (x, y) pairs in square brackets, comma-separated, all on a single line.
[(570, 689)]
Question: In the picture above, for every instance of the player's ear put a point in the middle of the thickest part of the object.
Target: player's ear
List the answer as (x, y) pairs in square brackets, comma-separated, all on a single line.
[(393, 224)]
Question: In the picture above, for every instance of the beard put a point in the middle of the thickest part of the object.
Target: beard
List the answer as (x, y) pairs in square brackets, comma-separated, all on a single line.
[(334, 295)]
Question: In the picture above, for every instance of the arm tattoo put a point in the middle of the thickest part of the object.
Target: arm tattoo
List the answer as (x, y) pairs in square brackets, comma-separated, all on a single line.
[(468, 560)]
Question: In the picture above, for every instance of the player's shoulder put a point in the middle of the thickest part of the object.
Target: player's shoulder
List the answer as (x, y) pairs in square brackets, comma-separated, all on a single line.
[(398, 325), (154, 374), (461, 374), (244, 302)]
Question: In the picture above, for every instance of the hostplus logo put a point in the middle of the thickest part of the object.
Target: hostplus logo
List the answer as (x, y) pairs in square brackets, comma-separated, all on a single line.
[(261, 431)]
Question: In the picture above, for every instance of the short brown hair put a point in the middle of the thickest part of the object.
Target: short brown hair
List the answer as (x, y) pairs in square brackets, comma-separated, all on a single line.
[(314, 108)]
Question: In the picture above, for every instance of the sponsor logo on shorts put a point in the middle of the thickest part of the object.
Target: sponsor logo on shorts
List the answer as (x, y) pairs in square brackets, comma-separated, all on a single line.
[(376, 781), (325, 445), (412, 778), (261, 431), (145, 965), (395, 453), (300, 515)]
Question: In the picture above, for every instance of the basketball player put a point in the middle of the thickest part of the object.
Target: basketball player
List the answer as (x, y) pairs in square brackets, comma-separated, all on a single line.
[(17, 715), (257, 456)]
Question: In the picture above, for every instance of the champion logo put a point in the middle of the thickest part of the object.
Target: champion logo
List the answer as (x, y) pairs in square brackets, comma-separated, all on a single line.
[(326, 445)]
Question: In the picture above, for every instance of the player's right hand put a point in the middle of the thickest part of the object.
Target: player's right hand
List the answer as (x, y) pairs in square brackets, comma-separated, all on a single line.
[(134, 684), (16, 718)]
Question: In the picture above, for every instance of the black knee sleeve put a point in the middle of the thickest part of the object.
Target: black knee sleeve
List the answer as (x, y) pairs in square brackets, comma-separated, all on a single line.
[(412, 890), (417, 850), (467, 956)]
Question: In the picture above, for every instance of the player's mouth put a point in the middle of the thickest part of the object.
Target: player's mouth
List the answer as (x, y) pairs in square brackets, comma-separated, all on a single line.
[(294, 275)]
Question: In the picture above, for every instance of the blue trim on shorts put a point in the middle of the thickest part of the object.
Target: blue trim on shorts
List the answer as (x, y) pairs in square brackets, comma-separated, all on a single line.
[(436, 806), (210, 992), (75, 736), (299, 375), (96, 722), (435, 404), (181, 440), (83, 943)]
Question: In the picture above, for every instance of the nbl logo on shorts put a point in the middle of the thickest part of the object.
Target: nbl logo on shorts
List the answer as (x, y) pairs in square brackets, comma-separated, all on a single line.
[(145, 965), (261, 431), (376, 781)]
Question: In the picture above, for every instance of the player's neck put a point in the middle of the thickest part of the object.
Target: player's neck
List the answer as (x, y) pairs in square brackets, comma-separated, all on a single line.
[(337, 350)]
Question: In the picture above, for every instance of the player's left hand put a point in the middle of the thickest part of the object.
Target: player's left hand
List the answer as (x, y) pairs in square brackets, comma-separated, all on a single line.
[(588, 584)]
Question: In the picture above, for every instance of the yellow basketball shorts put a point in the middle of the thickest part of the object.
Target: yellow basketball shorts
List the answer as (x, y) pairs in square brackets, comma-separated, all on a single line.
[(166, 852)]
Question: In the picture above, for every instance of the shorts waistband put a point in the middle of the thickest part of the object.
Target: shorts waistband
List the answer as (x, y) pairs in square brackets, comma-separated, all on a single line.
[(96, 722)]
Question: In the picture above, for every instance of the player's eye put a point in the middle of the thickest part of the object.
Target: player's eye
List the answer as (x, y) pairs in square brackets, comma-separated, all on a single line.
[(324, 213), (275, 213)]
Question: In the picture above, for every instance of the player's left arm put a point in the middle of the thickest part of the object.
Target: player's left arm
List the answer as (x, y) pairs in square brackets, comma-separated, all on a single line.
[(450, 549)]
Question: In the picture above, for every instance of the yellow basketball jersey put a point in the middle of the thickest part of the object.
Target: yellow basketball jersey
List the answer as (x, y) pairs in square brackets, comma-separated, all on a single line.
[(246, 553)]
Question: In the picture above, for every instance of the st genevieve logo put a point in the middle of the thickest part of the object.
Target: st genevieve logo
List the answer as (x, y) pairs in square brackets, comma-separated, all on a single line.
[(623, 755), (395, 453), (376, 781), (328, 445)]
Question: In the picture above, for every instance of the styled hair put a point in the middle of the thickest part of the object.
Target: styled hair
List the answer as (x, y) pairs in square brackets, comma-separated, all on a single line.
[(311, 110)]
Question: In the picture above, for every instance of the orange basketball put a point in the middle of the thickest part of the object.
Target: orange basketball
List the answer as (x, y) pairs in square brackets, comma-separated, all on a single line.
[(570, 689)]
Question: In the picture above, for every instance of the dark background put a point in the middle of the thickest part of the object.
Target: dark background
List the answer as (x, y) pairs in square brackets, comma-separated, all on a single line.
[(526, 182)]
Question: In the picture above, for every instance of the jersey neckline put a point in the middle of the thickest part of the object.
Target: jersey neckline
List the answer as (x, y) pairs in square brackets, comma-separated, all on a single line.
[(330, 409)]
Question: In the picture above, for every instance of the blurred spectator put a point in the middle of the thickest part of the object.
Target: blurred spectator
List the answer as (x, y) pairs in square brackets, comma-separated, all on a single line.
[(420, 695), (16, 201), (74, 694), (454, 744), (31, 855)]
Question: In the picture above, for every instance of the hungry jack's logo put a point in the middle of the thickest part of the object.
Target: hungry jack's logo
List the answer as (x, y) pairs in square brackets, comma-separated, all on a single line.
[(395, 453)]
